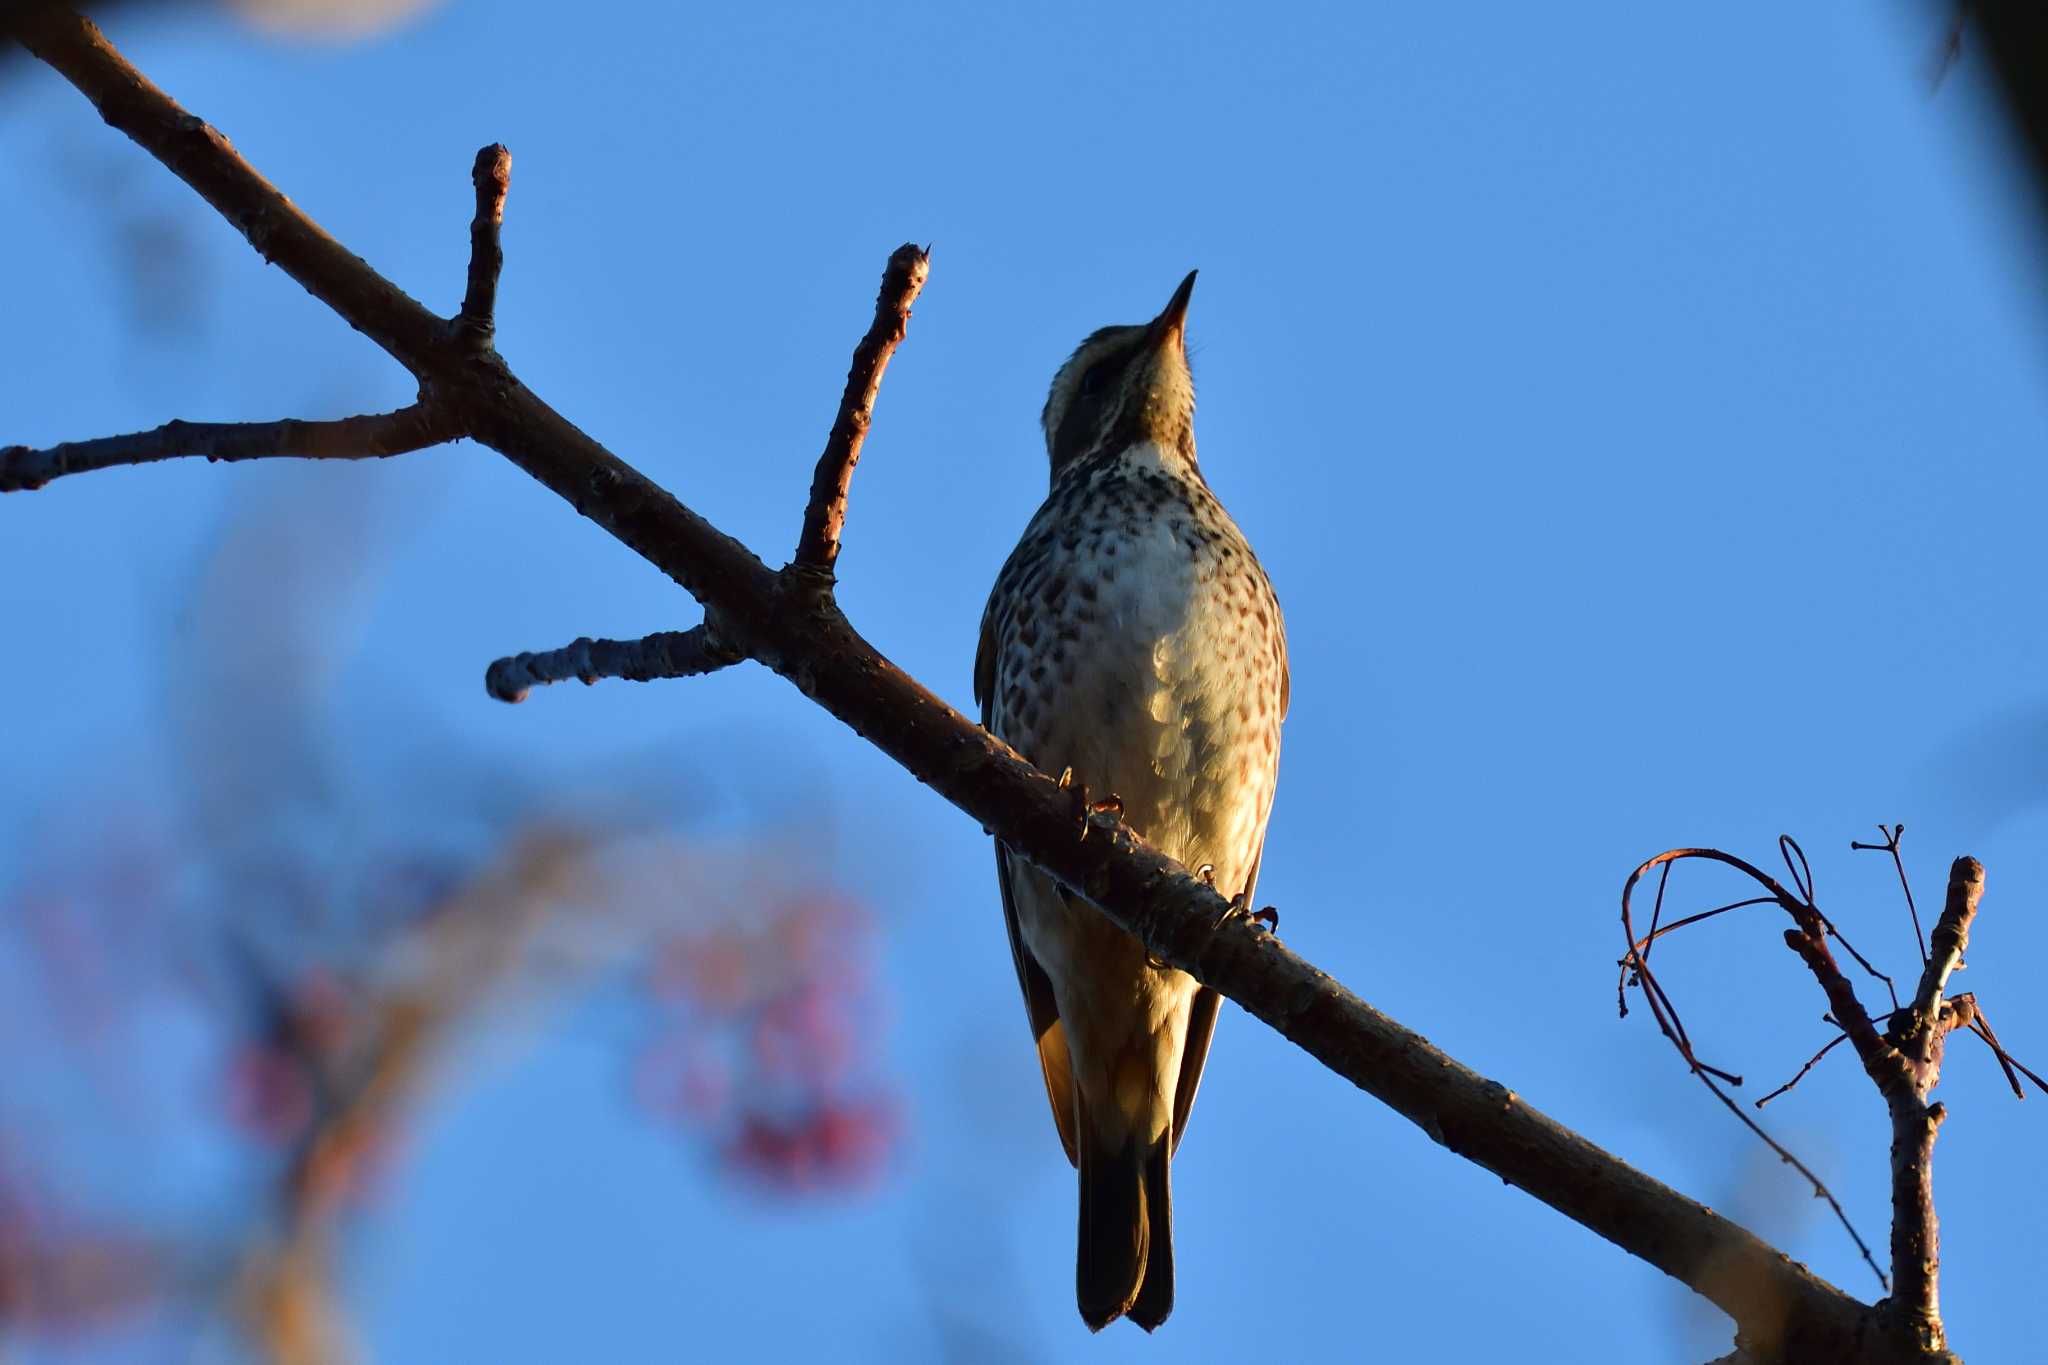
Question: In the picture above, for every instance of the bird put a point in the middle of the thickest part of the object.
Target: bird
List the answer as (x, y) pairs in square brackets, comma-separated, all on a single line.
[(1132, 644)]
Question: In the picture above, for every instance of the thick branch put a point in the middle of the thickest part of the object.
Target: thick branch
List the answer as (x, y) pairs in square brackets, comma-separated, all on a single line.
[(666, 654), (817, 548), (788, 624), (1916, 1232), (1946, 946), (350, 438)]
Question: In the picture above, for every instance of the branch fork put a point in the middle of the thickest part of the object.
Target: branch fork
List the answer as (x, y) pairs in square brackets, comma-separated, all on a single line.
[(806, 583), (1903, 1061)]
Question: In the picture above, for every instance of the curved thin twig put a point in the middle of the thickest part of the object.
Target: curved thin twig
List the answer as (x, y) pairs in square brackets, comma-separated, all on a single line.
[(1665, 1011)]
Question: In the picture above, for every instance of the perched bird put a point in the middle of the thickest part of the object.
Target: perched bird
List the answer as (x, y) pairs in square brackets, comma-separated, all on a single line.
[(1133, 639)]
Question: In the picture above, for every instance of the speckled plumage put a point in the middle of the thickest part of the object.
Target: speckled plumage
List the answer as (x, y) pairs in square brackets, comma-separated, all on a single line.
[(1134, 638)]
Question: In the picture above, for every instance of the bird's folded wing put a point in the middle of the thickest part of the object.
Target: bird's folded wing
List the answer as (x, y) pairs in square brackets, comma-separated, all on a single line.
[(1053, 1057)]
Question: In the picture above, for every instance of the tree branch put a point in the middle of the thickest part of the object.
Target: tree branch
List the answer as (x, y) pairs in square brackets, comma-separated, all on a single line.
[(817, 548), (1916, 1232), (666, 654), (790, 622), (199, 155), (370, 437), (492, 174), (1904, 1062), (1948, 942)]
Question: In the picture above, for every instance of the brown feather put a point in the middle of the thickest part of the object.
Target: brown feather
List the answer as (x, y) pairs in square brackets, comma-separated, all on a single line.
[(1054, 1061)]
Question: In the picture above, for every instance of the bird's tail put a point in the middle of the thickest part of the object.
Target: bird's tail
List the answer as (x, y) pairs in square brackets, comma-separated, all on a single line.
[(1125, 1263)]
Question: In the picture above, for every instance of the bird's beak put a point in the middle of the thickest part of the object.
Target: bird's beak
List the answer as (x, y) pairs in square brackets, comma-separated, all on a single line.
[(1170, 327)]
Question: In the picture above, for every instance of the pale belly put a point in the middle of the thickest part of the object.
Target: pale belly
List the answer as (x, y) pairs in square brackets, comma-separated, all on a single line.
[(1160, 691)]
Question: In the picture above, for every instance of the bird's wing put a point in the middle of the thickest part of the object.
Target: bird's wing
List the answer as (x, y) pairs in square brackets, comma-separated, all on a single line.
[(1201, 1028), (1039, 1004), (1053, 1058)]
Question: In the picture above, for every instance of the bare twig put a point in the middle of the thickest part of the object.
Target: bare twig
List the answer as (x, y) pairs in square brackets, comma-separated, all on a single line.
[(350, 438), (666, 654), (817, 548), (1811, 1062), (492, 175), (2005, 1062), (1658, 931), (1665, 1010), (1981, 1026), (1891, 846), (1802, 874)]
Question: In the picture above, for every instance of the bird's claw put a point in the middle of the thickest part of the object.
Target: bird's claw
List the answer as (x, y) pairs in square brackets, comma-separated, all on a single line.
[(1240, 907), (1086, 810), (1078, 797)]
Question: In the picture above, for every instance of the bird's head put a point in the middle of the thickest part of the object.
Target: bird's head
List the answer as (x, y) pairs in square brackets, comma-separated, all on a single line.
[(1126, 386)]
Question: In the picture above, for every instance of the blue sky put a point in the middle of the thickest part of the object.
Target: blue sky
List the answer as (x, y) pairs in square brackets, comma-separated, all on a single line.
[(1639, 413)]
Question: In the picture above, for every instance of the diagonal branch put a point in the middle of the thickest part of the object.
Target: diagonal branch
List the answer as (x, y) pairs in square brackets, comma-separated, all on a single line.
[(197, 153), (370, 437), (784, 622), (817, 548), (666, 654)]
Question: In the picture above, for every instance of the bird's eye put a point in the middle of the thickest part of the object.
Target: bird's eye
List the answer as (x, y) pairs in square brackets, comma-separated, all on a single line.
[(1093, 379)]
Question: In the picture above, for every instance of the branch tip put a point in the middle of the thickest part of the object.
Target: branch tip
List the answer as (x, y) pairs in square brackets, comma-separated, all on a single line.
[(1950, 937), (492, 176), (817, 548), (665, 654)]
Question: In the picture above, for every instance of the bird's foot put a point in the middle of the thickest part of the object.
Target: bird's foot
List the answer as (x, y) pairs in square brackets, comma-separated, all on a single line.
[(1077, 795), (1086, 810), (1240, 907)]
